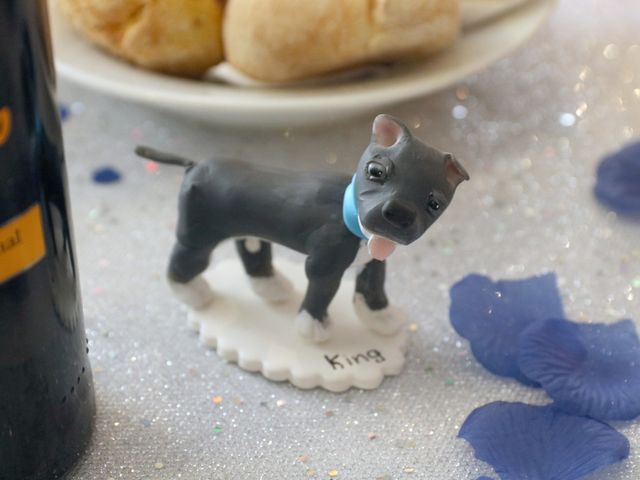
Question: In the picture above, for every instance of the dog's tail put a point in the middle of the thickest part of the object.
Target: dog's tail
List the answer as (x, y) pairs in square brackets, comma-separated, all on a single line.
[(163, 157)]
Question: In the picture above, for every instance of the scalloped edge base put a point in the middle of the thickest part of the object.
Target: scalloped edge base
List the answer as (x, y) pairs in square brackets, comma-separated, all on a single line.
[(261, 337)]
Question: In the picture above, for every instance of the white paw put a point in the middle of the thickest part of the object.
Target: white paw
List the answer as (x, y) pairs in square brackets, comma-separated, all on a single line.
[(312, 329), (274, 289), (387, 321), (196, 293)]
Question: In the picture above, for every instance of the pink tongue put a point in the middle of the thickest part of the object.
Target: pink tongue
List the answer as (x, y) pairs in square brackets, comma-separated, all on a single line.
[(380, 248)]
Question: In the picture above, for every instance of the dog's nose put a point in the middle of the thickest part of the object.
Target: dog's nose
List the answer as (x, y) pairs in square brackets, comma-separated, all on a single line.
[(398, 214)]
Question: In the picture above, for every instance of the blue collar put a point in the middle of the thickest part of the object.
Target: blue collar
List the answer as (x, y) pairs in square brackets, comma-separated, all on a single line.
[(350, 211)]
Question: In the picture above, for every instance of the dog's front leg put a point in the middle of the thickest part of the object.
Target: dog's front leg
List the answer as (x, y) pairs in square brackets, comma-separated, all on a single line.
[(324, 275), (370, 285), (330, 252), (313, 321), (370, 301)]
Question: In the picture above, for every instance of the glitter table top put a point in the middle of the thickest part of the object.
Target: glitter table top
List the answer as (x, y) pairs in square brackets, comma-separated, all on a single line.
[(530, 130)]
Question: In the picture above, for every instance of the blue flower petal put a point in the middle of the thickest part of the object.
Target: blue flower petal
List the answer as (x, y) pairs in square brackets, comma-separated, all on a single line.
[(491, 315), (618, 183), (484, 478), (541, 443), (588, 369)]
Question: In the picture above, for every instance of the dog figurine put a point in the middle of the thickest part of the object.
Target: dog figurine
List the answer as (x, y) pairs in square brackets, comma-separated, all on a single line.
[(401, 187)]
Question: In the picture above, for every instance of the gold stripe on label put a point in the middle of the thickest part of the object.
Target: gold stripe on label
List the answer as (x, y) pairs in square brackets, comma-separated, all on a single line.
[(21, 243), (5, 124)]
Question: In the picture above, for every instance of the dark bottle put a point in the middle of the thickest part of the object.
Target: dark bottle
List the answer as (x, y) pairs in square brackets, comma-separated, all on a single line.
[(47, 403)]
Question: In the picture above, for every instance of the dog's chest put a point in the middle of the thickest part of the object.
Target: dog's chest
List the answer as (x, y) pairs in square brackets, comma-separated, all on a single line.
[(363, 256)]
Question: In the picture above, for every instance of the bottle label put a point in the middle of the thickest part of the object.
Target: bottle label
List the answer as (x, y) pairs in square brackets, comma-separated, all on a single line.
[(21, 243), (5, 124)]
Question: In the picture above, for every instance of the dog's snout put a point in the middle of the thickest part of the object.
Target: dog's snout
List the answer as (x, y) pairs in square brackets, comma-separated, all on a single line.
[(398, 214)]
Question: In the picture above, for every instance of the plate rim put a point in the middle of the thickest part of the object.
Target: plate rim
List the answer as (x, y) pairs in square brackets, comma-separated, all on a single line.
[(206, 97)]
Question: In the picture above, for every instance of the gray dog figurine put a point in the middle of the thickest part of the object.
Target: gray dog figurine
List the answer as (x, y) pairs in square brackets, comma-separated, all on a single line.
[(400, 188)]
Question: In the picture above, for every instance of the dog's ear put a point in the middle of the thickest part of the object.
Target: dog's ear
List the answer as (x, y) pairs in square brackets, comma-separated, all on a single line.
[(456, 174), (387, 131)]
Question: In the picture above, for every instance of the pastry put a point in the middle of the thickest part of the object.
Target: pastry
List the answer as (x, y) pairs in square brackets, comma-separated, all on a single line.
[(286, 40), (181, 37), (268, 40)]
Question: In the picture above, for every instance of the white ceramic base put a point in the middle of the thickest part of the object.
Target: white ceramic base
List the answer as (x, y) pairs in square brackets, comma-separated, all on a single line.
[(261, 337)]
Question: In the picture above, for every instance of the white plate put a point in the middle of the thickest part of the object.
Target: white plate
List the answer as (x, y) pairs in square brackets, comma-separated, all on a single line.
[(78, 61)]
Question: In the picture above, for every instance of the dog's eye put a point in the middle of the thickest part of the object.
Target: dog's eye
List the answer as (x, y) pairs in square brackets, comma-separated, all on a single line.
[(376, 172), (433, 204)]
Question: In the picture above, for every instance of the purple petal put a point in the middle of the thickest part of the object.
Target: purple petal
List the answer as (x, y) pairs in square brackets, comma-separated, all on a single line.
[(588, 369), (618, 183), (541, 443), (491, 315)]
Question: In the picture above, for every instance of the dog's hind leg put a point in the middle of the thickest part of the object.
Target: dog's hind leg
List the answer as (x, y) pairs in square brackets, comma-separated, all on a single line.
[(370, 301), (265, 280), (185, 266)]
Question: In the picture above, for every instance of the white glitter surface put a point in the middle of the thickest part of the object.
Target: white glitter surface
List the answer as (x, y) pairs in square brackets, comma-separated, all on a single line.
[(530, 130)]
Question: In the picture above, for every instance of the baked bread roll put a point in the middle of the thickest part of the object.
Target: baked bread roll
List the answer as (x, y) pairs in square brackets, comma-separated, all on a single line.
[(285, 40), (181, 37)]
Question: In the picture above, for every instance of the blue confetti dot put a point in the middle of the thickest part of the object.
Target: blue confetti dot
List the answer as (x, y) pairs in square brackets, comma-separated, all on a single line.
[(525, 441), (64, 111), (106, 175)]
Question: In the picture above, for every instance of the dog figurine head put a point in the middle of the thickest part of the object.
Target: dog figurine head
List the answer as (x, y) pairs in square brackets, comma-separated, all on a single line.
[(401, 186)]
